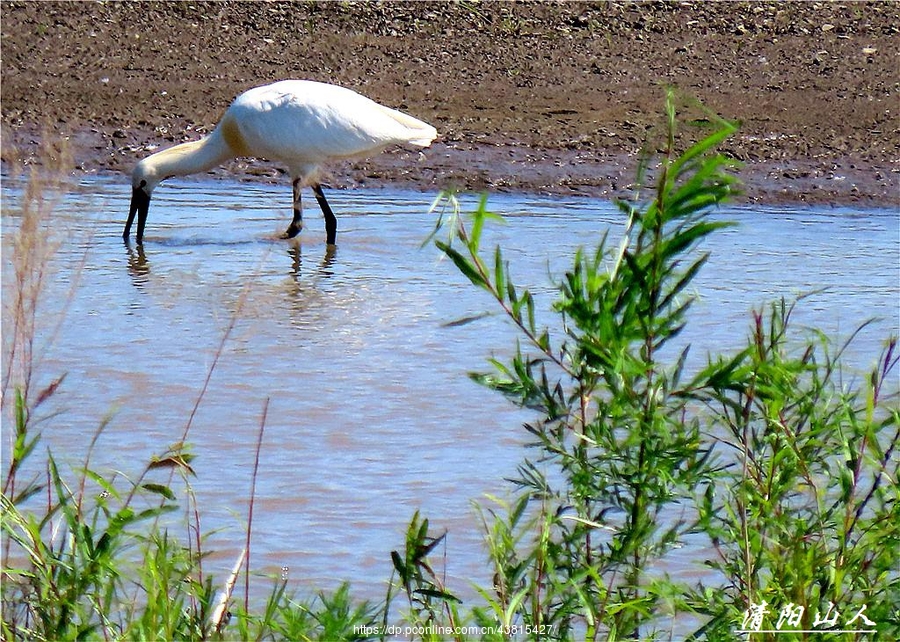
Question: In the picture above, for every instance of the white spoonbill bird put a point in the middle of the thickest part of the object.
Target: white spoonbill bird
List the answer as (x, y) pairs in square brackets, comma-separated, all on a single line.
[(300, 123)]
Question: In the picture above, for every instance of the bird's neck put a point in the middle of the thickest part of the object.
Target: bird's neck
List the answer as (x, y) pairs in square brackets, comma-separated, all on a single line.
[(191, 158)]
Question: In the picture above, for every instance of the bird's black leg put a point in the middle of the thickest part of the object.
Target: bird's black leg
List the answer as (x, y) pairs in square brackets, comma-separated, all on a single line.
[(330, 219), (297, 222)]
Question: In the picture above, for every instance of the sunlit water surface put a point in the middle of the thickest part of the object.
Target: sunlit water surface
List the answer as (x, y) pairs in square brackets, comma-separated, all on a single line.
[(370, 413)]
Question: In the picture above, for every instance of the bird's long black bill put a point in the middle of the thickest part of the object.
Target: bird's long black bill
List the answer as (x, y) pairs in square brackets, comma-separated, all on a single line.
[(140, 205)]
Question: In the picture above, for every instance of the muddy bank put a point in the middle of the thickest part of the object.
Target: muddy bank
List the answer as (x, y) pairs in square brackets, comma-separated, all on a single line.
[(526, 96)]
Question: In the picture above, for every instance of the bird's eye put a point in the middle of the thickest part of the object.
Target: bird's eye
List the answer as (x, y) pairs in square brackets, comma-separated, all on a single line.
[(143, 183)]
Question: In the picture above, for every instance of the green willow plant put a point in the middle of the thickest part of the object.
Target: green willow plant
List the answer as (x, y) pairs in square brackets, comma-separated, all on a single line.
[(797, 473), (613, 426), (806, 522), (428, 600)]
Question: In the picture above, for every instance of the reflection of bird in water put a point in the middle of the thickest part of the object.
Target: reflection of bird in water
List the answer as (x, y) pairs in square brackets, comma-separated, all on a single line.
[(138, 266), (302, 289), (301, 123), (326, 268)]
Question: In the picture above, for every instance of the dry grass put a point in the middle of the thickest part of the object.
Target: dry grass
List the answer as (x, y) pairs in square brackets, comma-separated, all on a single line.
[(30, 241)]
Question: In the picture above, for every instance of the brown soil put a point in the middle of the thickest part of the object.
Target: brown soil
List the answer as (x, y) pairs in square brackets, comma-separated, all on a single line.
[(526, 96)]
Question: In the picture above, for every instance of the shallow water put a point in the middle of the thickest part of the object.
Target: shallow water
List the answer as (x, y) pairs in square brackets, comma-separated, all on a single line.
[(370, 413)]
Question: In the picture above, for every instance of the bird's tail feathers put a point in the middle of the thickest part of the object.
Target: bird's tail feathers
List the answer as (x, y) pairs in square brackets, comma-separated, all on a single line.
[(419, 134), (425, 141)]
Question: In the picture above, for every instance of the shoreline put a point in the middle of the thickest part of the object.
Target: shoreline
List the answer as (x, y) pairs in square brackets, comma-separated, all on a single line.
[(507, 168), (536, 97)]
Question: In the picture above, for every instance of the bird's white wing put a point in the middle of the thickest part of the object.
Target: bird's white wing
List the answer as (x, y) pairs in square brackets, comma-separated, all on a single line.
[(310, 123)]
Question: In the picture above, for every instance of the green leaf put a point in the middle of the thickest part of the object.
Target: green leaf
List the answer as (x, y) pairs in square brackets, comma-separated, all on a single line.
[(399, 566), (463, 265), (467, 320), (499, 272), (683, 239), (704, 146), (173, 460), (159, 489), (437, 593)]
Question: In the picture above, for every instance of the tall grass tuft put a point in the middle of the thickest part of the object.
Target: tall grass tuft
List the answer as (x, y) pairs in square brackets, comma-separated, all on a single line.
[(85, 553), (28, 246)]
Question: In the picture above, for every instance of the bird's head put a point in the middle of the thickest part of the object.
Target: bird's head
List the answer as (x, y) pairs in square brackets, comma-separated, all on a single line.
[(143, 181)]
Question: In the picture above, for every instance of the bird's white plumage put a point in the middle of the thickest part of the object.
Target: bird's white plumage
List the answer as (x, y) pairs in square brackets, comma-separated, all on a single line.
[(300, 123), (305, 124)]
